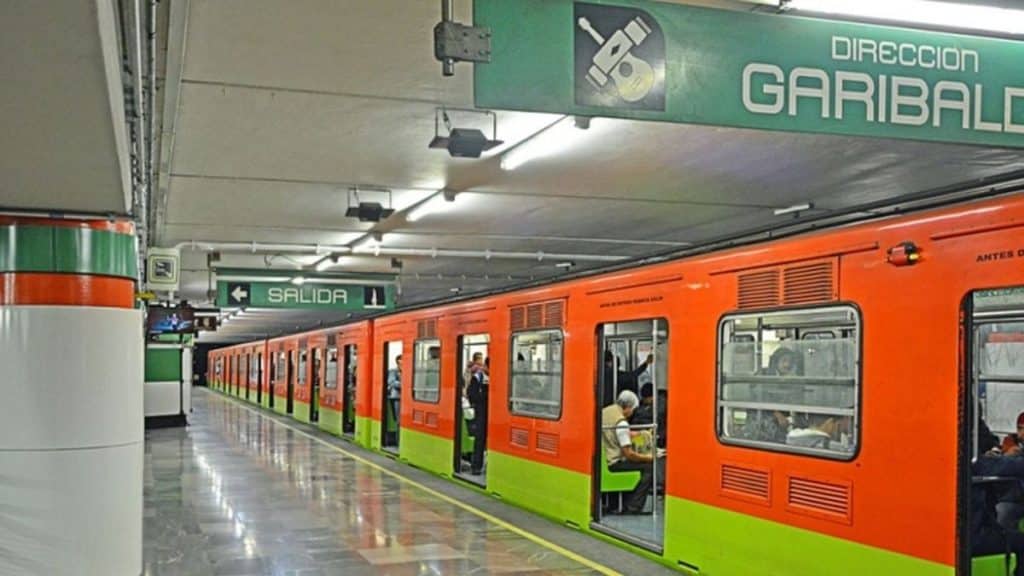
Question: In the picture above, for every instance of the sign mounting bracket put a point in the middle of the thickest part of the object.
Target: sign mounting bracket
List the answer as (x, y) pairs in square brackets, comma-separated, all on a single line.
[(456, 42)]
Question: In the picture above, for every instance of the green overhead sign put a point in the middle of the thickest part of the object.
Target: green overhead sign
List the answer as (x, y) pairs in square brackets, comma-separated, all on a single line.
[(311, 295), (666, 62)]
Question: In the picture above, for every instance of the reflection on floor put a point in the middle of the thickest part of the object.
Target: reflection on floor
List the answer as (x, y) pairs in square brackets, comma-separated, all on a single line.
[(237, 493), (647, 527)]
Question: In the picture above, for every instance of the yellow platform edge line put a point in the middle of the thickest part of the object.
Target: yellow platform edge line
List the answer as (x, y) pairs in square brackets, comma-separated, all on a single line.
[(441, 496)]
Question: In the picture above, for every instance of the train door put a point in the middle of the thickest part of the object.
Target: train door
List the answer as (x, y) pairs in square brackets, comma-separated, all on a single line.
[(246, 374), (314, 394), (471, 408), (290, 379), (391, 414), (258, 370), (630, 456), (234, 375), (350, 355), (993, 359), (301, 370)]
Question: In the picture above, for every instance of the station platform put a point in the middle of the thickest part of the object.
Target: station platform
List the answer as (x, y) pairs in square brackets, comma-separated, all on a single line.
[(243, 492)]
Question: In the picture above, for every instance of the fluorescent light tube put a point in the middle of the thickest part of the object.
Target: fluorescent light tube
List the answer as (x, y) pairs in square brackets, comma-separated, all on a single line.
[(298, 280), (927, 12), (555, 138)]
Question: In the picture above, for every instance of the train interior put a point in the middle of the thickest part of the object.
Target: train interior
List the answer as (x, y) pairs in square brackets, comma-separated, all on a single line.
[(996, 364), (289, 377), (471, 414), (391, 410), (350, 356), (315, 384), (635, 358)]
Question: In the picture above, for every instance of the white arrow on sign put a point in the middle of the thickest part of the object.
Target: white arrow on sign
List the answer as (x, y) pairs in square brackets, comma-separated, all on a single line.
[(238, 294)]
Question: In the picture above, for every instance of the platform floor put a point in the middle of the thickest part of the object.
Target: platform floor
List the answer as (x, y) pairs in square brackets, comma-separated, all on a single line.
[(241, 492)]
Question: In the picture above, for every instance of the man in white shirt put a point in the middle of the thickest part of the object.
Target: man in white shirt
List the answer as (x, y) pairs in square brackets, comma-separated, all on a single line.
[(619, 452)]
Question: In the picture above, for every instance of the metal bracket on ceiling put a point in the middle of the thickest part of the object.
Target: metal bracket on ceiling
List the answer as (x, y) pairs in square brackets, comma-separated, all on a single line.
[(455, 42)]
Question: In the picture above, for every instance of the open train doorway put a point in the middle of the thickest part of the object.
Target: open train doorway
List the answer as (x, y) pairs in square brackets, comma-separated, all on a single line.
[(315, 383), (394, 381), (258, 377), (992, 435), (630, 452), (472, 408), (350, 366), (290, 379)]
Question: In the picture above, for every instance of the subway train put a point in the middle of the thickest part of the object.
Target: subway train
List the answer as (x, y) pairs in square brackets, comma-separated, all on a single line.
[(852, 455)]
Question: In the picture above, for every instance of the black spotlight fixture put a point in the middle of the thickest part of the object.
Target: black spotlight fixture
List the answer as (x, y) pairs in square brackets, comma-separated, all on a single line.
[(463, 142), (368, 211)]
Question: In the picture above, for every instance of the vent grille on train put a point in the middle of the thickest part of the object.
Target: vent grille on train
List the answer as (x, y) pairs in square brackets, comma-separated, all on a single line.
[(534, 316), (822, 499), (547, 442), (427, 328), (519, 437), (806, 283), (746, 483), (432, 419), (759, 289), (417, 416)]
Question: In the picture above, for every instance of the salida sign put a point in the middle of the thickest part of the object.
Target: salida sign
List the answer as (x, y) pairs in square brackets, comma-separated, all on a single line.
[(674, 63), (313, 295)]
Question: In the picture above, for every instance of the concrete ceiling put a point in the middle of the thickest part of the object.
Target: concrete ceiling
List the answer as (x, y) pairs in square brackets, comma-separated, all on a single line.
[(63, 135), (273, 110)]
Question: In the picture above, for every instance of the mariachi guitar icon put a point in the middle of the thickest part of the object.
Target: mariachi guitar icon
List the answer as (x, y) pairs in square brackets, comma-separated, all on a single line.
[(632, 76)]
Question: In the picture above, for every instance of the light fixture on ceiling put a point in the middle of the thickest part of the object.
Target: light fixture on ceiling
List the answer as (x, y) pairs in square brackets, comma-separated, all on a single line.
[(567, 265), (435, 203), (794, 209), (463, 142), (557, 137), (367, 211), (923, 12), (299, 280)]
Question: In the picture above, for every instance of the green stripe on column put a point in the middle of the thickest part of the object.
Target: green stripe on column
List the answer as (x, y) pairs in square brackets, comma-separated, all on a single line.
[(67, 250)]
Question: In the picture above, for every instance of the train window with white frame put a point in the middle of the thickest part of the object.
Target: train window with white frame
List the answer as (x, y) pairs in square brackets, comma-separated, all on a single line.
[(282, 366), (301, 376), (783, 385), (426, 371), (536, 374)]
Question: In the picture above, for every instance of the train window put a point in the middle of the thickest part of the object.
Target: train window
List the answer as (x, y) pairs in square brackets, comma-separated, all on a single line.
[(331, 378), (998, 367), (301, 375), (785, 386), (282, 366), (536, 389), (426, 371)]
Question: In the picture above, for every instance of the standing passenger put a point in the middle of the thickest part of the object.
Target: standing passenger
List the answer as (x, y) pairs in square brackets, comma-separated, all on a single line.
[(395, 394), (478, 393)]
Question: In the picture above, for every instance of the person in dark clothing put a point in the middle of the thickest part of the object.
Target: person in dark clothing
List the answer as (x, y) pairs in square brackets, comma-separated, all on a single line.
[(477, 391), (624, 380), (645, 413), (987, 536)]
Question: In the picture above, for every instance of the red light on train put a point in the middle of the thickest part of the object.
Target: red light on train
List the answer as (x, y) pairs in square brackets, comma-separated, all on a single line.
[(904, 254)]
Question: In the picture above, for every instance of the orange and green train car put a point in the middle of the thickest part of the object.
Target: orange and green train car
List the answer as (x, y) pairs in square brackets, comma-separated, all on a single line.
[(852, 456)]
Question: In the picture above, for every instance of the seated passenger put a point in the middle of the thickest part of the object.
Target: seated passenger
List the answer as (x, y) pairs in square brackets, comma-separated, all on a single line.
[(765, 426), (1013, 444), (644, 415), (818, 433), (784, 362), (618, 449), (987, 536)]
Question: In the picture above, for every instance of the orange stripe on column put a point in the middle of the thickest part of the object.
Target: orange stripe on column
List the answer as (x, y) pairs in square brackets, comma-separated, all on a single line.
[(38, 289)]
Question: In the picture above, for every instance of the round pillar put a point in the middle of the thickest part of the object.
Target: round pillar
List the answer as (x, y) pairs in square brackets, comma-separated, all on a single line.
[(71, 419)]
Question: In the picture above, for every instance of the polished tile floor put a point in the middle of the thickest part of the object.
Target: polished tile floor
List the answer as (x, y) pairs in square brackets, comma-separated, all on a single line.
[(238, 493)]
